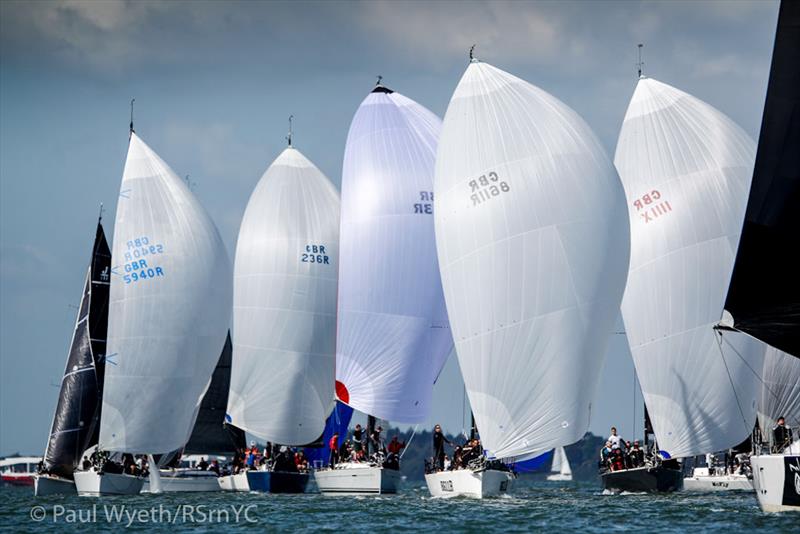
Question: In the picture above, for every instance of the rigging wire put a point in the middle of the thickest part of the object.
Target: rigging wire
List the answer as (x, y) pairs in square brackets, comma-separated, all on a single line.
[(414, 433), (759, 377), (730, 379)]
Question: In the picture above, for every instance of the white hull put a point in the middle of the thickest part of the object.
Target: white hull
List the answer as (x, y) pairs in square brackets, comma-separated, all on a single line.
[(701, 480), (185, 480), (468, 483), (93, 484), (775, 492), (51, 485), (236, 482), (559, 477), (357, 479)]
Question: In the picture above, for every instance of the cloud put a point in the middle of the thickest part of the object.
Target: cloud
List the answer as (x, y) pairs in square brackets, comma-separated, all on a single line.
[(104, 34), (442, 30)]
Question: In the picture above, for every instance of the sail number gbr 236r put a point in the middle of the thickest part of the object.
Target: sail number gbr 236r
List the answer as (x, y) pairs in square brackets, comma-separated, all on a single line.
[(486, 187), (315, 254)]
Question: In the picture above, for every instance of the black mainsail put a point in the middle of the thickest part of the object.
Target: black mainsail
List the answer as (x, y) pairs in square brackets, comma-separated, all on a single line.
[(76, 421), (764, 295), (211, 435)]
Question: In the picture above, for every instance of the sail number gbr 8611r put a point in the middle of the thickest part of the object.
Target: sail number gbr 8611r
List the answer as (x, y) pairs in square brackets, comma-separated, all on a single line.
[(139, 258), (486, 187)]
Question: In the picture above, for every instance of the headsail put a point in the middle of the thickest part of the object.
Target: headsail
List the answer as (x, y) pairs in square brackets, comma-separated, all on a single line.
[(76, 421), (764, 295), (210, 435), (686, 169), (284, 316), (169, 310), (533, 248), (780, 390), (393, 335)]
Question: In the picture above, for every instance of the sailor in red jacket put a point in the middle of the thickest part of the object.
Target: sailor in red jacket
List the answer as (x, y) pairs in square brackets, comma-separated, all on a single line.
[(333, 445)]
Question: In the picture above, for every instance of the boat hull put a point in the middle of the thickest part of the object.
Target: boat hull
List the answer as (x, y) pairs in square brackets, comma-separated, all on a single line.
[(237, 482), (18, 480), (93, 484), (776, 479), (357, 479), (558, 477), (643, 479), (469, 483), (185, 480), (277, 481), (51, 485), (702, 481)]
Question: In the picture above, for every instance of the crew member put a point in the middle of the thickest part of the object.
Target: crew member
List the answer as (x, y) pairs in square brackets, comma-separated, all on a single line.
[(333, 445), (636, 455), (781, 436), (439, 439)]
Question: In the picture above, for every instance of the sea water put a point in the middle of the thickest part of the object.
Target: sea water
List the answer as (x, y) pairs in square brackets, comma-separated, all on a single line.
[(533, 506)]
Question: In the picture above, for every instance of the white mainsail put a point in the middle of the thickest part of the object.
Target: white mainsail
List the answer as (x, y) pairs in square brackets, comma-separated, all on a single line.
[(533, 247), (780, 390), (686, 169), (169, 309), (393, 335), (560, 463), (284, 305)]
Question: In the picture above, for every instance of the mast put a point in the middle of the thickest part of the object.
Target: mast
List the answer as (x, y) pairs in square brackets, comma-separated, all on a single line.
[(370, 429), (472, 428)]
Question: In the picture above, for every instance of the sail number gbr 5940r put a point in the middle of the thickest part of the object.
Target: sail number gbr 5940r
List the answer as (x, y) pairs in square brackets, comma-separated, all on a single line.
[(137, 267), (486, 187)]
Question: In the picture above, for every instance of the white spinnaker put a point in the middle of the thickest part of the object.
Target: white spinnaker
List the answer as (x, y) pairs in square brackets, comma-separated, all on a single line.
[(393, 335), (780, 390), (169, 309), (686, 169), (533, 247), (284, 304)]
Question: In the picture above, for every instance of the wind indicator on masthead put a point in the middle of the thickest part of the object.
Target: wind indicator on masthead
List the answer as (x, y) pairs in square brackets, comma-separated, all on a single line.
[(131, 130), (640, 63), (289, 135)]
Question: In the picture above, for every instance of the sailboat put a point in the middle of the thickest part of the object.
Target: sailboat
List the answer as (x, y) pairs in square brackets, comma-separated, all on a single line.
[(560, 470), (284, 318), (210, 436), (169, 311), (533, 247), (393, 336), (76, 422), (764, 294), (686, 168)]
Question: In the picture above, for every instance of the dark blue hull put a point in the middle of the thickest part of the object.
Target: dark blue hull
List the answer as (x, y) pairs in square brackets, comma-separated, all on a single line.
[(647, 479), (277, 481)]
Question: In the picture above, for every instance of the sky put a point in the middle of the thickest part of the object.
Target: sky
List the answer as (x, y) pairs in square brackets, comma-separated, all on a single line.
[(214, 84)]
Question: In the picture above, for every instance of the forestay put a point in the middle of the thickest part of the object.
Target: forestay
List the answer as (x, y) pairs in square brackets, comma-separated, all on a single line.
[(533, 247), (169, 309), (686, 169), (284, 315), (393, 335)]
